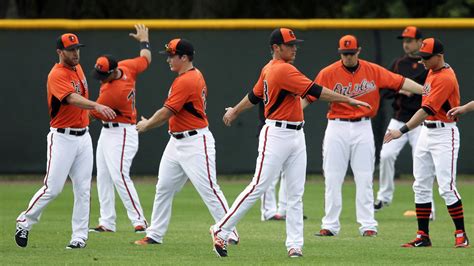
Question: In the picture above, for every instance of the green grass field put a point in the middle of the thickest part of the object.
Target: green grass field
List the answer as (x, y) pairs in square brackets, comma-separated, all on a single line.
[(188, 240)]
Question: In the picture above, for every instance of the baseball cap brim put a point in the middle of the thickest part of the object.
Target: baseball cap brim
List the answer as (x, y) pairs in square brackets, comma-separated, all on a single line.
[(343, 51), (99, 75), (72, 47), (295, 41)]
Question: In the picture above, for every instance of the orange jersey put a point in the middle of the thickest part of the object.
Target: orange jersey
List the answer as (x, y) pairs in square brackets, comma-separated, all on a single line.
[(281, 86), (440, 93), (120, 94), (63, 81), (187, 100), (364, 85)]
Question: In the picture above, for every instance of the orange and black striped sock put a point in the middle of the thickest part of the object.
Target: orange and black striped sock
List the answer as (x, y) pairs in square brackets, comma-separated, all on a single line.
[(457, 214), (423, 211)]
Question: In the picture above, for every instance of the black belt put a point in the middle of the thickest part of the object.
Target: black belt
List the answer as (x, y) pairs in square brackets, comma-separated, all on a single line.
[(109, 125), (183, 135), (433, 125), (351, 119), (289, 126), (72, 132)]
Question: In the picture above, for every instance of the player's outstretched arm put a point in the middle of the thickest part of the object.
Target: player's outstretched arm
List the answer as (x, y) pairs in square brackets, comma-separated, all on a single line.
[(83, 103), (142, 37), (331, 96), (411, 86), (414, 121), (459, 110), (233, 112), (158, 119)]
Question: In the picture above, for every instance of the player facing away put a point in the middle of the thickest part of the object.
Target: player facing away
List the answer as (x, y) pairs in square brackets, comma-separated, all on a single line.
[(404, 105), (69, 150), (190, 152), (437, 150), (349, 136), (118, 141), (282, 146)]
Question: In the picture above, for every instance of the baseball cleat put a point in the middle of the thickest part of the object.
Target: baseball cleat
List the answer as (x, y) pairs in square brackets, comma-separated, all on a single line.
[(21, 237), (220, 245), (461, 239), (140, 229), (295, 253), (421, 240), (76, 245), (324, 232), (146, 241), (378, 205), (100, 229), (370, 233)]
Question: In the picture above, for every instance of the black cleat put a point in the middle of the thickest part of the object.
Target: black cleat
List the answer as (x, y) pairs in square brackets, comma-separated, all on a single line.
[(100, 229), (421, 240), (378, 205), (220, 245), (21, 237), (76, 245)]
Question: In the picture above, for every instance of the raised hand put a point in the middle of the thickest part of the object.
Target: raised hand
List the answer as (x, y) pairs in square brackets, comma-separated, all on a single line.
[(142, 33)]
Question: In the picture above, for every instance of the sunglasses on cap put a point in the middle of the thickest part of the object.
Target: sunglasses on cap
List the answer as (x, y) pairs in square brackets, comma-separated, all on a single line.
[(349, 53)]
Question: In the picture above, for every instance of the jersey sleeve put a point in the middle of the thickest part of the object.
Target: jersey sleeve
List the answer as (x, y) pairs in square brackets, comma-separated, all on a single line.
[(292, 80), (440, 90), (319, 81), (388, 79), (258, 87), (177, 96), (136, 65), (59, 86)]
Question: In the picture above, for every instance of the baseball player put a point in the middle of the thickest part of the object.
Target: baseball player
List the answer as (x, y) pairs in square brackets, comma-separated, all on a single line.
[(349, 136), (282, 146), (69, 143), (405, 105), (118, 141), (437, 149), (190, 152), (459, 110)]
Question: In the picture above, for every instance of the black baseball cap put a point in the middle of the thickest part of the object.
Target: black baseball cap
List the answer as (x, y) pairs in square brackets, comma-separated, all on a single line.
[(411, 32), (430, 47), (283, 36), (179, 47), (104, 67), (68, 41)]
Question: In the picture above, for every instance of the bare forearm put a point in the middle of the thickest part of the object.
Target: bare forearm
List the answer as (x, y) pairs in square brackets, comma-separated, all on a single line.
[(331, 96), (159, 118), (79, 101), (243, 105), (417, 119), (411, 86)]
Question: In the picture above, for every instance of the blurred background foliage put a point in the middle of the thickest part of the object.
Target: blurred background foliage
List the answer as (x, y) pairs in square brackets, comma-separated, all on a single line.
[(195, 9)]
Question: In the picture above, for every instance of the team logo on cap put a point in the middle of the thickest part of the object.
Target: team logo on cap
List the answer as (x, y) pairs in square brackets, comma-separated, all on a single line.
[(292, 34), (423, 44), (347, 43), (98, 67), (71, 38)]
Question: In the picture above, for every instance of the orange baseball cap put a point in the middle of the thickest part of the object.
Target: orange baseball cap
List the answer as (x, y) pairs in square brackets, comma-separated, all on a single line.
[(104, 66), (68, 41), (178, 46), (430, 47), (411, 32), (283, 36), (348, 44)]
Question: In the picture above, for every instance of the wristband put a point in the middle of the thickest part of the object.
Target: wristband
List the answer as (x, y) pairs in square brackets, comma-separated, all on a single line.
[(145, 45), (404, 129)]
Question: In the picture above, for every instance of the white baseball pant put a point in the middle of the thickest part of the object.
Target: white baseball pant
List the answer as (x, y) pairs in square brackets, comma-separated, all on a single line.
[(67, 155), (270, 206), (192, 157), (436, 156), (279, 149), (116, 149), (346, 142), (388, 156)]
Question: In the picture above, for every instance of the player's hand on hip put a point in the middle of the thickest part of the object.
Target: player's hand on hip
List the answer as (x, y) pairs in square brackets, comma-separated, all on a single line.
[(142, 125), (455, 112), (391, 135), (142, 33), (229, 116), (358, 103), (105, 111)]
